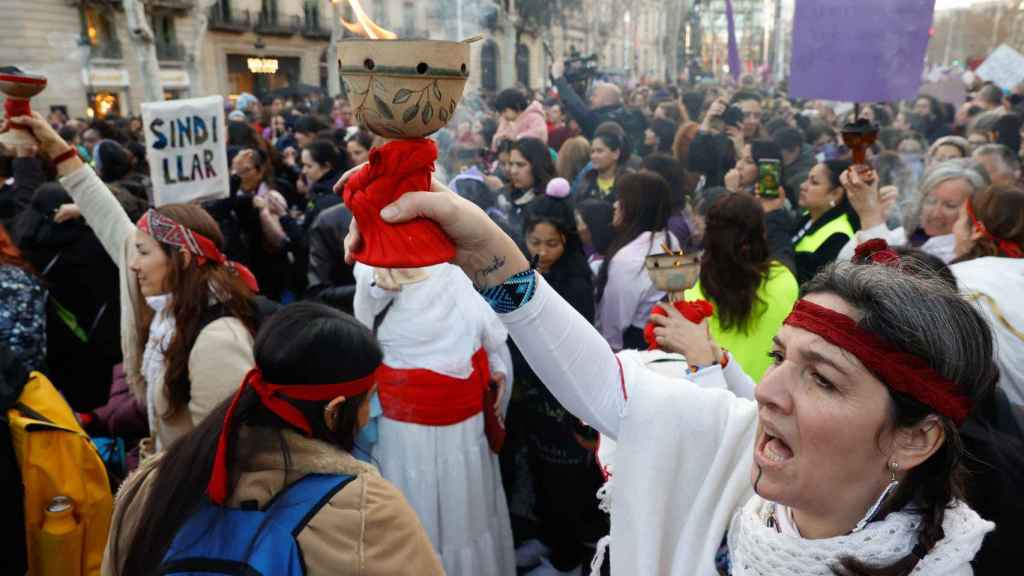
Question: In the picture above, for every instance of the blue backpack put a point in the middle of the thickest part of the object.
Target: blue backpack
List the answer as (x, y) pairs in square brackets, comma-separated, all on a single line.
[(251, 542)]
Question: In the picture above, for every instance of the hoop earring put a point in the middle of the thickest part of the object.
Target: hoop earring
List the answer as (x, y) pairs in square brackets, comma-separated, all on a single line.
[(893, 467), (832, 203)]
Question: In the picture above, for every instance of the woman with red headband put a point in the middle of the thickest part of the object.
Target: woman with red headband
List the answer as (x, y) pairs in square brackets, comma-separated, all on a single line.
[(848, 461), (267, 484), (989, 269), (187, 313)]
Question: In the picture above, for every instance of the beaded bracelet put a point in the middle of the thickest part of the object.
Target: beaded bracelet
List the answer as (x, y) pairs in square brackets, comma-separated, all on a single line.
[(512, 293)]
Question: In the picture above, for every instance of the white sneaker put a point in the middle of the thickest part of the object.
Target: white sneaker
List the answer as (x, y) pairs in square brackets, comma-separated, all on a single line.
[(530, 553), (546, 569)]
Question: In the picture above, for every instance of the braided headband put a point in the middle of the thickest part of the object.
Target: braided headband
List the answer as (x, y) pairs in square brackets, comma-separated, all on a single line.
[(274, 398), (1011, 249), (166, 230), (898, 370)]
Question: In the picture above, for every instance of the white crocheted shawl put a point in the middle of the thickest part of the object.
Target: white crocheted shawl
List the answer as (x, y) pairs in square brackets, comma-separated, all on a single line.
[(757, 550)]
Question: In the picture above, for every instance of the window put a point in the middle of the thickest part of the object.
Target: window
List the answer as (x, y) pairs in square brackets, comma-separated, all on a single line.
[(312, 12), (489, 66), (268, 10), (408, 19), (380, 13), (523, 65), (99, 32)]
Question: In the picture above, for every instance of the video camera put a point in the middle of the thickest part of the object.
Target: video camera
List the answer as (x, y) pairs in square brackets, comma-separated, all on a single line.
[(580, 72)]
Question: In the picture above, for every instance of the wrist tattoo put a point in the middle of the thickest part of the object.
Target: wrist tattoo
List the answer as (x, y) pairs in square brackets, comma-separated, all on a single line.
[(479, 279)]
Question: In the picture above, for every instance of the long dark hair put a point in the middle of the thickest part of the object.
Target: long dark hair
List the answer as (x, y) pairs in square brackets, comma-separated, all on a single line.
[(646, 204), (597, 215), (560, 214), (736, 258), (541, 165), (900, 306), (303, 343), (190, 286)]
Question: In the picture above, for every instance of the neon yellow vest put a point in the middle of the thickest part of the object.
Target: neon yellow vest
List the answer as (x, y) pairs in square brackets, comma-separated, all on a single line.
[(776, 297), (811, 242)]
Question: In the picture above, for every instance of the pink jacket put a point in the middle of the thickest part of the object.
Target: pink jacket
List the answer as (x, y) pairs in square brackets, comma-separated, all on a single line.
[(530, 124)]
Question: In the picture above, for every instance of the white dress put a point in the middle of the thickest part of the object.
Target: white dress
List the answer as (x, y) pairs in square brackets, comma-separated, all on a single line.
[(448, 473), (683, 461)]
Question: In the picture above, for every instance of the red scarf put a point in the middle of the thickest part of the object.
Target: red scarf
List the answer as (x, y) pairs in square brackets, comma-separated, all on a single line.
[(274, 397)]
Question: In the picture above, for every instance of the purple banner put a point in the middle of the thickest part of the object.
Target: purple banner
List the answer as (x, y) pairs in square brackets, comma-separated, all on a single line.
[(863, 51), (734, 53)]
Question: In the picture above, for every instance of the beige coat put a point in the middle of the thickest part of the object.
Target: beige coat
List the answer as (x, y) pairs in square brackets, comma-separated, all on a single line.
[(366, 529), (223, 351)]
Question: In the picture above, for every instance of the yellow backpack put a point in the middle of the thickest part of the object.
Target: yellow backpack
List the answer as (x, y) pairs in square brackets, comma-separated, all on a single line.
[(56, 458)]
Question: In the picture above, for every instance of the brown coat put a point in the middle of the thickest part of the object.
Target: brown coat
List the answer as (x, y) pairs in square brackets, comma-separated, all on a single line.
[(366, 529)]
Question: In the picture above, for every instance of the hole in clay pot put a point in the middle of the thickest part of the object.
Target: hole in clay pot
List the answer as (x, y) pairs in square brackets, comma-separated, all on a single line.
[(464, 71), (368, 63), (422, 68)]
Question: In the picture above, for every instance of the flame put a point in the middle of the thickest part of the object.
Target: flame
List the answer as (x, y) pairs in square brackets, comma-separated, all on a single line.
[(364, 26)]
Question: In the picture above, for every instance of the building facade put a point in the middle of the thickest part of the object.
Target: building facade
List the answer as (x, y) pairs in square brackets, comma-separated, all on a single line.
[(259, 46)]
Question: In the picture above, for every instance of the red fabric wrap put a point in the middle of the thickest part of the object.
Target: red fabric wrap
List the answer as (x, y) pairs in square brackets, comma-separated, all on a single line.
[(693, 310), (878, 251), (17, 107), (898, 370), (166, 230), (1011, 249), (274, 397), (397, 167), (421, 396)]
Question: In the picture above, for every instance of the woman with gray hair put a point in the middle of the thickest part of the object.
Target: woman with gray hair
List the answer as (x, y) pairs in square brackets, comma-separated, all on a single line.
[(928, 218), (847, 461)]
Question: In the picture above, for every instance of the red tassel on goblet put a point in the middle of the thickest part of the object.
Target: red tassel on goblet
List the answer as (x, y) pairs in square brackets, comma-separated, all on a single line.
[(18, 87)]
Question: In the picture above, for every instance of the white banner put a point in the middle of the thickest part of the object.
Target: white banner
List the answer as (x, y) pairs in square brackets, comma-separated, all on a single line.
[(187, 149), (1004, 66)]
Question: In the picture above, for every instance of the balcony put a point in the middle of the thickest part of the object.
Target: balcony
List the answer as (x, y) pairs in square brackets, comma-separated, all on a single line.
[(177, 5), (271, 24), (229, 22), (110, 50), (170, 51), (312, 29)]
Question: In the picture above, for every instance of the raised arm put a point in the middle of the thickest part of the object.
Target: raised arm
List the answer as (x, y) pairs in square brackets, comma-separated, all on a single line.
[(99, 207)]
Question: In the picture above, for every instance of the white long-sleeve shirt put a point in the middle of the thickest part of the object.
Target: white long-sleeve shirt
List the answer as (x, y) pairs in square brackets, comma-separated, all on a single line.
[(629, 294), (684, 458)]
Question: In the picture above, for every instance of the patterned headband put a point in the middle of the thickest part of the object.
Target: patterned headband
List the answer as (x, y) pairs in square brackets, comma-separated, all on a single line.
[(166, 230)]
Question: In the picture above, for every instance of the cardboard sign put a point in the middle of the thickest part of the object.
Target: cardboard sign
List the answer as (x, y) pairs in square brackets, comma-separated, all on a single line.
[(951, 90), (864, 51), (187, 150), (1004, 66)]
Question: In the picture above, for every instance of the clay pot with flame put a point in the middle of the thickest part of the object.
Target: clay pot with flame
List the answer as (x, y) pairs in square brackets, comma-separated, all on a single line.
[(404, 88)]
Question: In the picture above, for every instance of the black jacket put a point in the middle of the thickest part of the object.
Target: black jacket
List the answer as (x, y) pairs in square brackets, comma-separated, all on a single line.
[(83, 280), (632, 121), (329, 278)]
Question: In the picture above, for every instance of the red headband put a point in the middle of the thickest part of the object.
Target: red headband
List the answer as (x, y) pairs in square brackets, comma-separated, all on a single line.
[(166, 230), (1011, 249), (273, 397), (898, 370)]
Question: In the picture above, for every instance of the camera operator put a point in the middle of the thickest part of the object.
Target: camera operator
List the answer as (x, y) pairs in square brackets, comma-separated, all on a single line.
[(605, 106)]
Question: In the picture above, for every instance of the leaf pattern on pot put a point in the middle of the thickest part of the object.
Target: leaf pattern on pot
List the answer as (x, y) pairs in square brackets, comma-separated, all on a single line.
[(443, 113), (428, 113), (437, 91), (410, 113), (383, 108), (402, 96)]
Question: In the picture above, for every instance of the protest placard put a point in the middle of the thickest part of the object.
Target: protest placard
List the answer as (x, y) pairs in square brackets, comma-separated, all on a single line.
[(864, 51), (185, 145), (1004, 66)]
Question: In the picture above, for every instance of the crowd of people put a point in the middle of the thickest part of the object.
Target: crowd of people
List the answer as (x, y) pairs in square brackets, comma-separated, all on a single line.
[(863, 339)]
